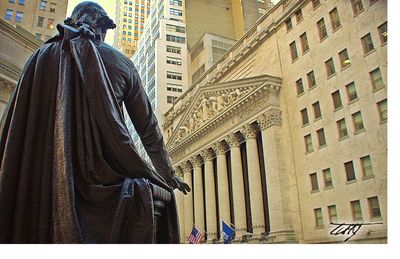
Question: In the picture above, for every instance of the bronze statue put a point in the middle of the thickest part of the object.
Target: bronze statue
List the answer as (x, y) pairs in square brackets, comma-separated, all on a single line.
[(70, 172)]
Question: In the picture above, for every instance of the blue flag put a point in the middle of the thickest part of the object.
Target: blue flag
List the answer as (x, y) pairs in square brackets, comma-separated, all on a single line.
[(227, 233)]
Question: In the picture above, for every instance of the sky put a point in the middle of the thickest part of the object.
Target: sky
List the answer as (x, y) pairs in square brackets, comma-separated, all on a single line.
[(108, 5)]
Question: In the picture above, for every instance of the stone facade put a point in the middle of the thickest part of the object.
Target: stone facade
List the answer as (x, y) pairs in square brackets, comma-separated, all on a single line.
[(260, 136)]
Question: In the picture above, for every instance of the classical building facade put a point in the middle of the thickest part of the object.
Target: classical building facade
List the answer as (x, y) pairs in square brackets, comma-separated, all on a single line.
[(130, 19), (16, 46), (286, 134), (39, 17)]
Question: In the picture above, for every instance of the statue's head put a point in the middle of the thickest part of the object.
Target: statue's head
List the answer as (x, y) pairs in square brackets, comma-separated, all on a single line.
[(92, 14)]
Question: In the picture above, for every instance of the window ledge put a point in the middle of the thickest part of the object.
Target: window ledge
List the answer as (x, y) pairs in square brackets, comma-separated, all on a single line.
[(300, 21), (344, 137), (305, 125), (377, 89), (336, 29), (357, 14), (289, 30), (319, 227), (339, 108), (376, 219), (315, 191), (324, 38), (308, 152), (328, 188), (305, 52), (316, 7), (332, 75), (312, 87), (383, 122), (294, 60), (384, 44), (353, 101), (300, 94), (317, 119), (323, 146), (368, 177), (368, 53), (345, 67), (351, 181), (360, 131)]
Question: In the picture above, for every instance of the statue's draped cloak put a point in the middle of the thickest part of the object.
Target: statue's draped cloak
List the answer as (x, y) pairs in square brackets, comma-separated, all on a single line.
[(70, 172)]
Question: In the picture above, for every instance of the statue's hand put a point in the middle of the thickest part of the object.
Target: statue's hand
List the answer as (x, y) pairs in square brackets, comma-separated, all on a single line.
[(177, 183)]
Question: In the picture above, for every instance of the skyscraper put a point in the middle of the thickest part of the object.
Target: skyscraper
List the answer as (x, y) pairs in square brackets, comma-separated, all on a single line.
[(39, 17), (130, 19)]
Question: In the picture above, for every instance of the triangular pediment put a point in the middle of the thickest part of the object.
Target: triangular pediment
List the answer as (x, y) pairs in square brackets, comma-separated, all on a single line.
[(210, 102)]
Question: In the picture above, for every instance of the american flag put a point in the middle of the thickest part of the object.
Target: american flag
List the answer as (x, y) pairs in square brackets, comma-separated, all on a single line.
[(195, 236)]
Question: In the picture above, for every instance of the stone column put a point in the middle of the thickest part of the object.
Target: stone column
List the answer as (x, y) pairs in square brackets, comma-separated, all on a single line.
[(198, 193), (249, 131), (211, 210), (188, 201), (276, 176), (222, 181), (239, 207), (179, 196)]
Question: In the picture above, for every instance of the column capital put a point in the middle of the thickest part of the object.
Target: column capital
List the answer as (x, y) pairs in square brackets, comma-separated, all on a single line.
[(270, 118), (196, 160), (179, 171), (249, 131), (234, 139), (219, 147), (207, 154), (185, 166)]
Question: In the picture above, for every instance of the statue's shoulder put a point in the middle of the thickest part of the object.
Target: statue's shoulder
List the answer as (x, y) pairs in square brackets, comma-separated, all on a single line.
[(110, 53)]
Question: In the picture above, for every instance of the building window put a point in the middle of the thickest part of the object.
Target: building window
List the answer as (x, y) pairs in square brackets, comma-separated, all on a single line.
[(366, 166), (304, 43), (314, 182), (289, 24), (382, 109), (332, 214), (175, 2), (174, 38), (38, 36), (21, 2), (318, 217), (308, 143), (175, 28), (198, 73), (53, 7), (337, 101), (322, 29), (173, 49), (9, 14), (315, 4), (174, 75), (344, 59), (351, 92), (304, 116), (356, 210), (42, 5), (19, 16), (311, 80), (382, 29), (321, 137), (171, 99), (317, 110), (330, 68), (11, 1), (367, 43), (299, 16), (40, 22), (350, 173), (335, 19), (175, 12), (327, 178), (299, 86), (342, 129), (357, 122), (357, 6), (174, 61), (374, 210), (219, 48), (123, 32), (376, 80), (50, 23), (293, 51), (174, 88)]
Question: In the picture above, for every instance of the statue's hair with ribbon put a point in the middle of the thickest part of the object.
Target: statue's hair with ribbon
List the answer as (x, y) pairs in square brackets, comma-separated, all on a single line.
[(91, 14)]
